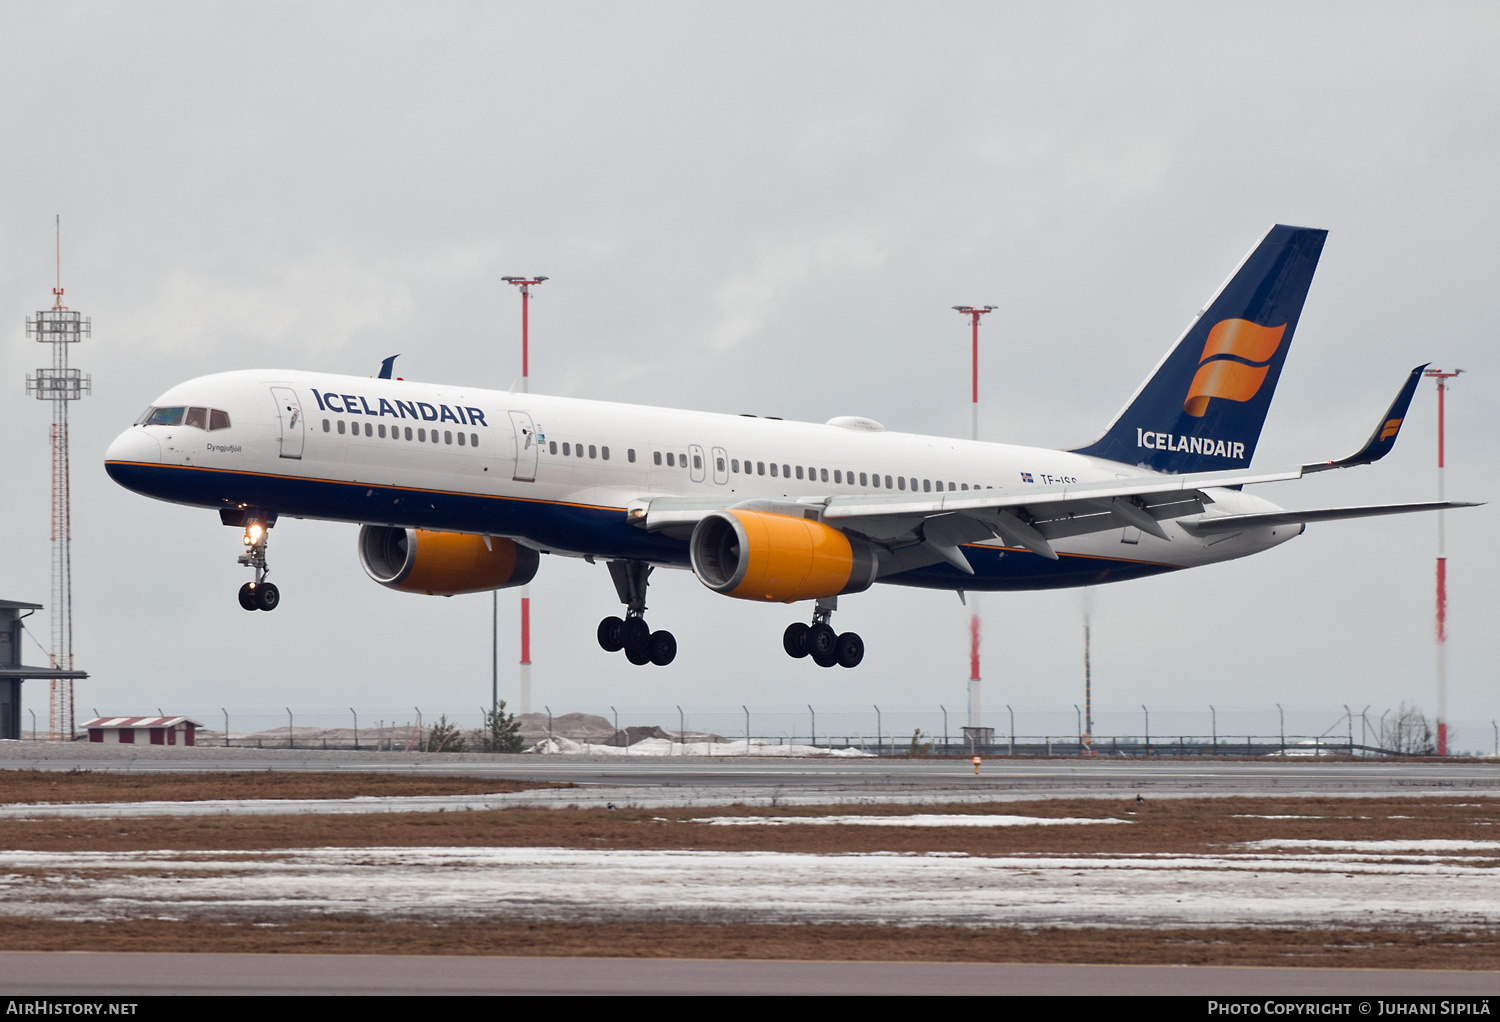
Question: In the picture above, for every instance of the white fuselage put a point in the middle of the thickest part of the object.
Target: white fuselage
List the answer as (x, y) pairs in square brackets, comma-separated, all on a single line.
[(388, 452)]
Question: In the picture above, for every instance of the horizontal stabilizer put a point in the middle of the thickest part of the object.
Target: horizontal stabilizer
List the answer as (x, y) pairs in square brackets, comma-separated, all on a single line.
[(1234, 523), (1386, 430)]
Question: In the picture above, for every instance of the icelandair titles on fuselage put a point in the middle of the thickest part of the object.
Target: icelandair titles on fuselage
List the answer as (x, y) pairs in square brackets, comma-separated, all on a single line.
[(353, 404), (1189, 444)]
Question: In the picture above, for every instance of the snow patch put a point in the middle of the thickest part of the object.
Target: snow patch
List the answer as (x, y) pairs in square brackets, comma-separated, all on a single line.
[(463, 883), (668, 747), (1388, 846)]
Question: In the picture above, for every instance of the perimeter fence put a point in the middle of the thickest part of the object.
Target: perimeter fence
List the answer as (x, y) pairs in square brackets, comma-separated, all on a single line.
[(882, 731)]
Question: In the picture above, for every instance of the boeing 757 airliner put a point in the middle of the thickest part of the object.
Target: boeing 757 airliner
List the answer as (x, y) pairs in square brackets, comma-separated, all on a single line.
[(460, 490)]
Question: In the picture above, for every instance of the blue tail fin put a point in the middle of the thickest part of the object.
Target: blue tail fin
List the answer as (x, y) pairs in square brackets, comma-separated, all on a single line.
[(1203, 407)]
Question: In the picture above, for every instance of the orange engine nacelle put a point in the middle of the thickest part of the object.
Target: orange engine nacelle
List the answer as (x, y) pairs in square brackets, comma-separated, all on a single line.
[(752, 555), (443, 563)]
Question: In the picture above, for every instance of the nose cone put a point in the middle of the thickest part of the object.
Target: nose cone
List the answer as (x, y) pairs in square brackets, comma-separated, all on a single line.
[(133, 445)]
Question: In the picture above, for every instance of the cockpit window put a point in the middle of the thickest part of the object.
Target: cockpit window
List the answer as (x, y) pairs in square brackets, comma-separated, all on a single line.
[(202, 418)]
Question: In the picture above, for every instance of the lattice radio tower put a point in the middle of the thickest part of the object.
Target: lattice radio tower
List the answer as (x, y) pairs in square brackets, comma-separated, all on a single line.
[(60, 326)]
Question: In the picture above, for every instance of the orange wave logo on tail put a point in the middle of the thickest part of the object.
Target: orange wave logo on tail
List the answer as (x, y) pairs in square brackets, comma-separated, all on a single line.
[(1391, 427), (1234, 363)]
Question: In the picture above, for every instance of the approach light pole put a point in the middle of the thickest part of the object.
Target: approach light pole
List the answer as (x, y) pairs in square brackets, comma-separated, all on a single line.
[(1441, 625), (974, 312), (1086, 740), (525, 284)]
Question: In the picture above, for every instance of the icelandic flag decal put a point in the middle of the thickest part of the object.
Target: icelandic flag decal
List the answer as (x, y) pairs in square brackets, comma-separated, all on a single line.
[(1026, 477)]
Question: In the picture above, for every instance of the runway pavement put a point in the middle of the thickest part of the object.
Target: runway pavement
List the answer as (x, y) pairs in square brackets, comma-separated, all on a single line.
[(99, 975), (709, 781)]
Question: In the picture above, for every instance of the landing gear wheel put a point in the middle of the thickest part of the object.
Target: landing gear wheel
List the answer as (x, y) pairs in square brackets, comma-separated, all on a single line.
[(247, 596), (267, 596), (642, 645), (850, 649), (611, 635), (794, 640), (663, 648), (822, 644), (635, 635)]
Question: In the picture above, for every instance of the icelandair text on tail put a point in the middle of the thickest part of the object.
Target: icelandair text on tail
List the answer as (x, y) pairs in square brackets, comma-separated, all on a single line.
[(1190, 444)]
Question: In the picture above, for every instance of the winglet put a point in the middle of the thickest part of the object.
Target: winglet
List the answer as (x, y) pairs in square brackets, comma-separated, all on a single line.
[(386, 367), (1384, 438)]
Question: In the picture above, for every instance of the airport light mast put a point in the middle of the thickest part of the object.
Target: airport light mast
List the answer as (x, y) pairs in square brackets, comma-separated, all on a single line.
[(974, 312), (60, 326), (1441, 624), (525, 284)]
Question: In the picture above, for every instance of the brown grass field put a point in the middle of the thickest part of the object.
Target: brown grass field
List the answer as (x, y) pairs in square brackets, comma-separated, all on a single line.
[(1167, 825), (102, 786), (1365, 949)]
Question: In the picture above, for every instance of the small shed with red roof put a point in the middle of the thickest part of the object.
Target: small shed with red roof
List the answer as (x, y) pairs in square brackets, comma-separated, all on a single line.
[(142, 730)]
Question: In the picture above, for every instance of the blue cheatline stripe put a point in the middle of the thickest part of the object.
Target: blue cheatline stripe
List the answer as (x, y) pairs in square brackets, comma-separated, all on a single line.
[(602, 531)]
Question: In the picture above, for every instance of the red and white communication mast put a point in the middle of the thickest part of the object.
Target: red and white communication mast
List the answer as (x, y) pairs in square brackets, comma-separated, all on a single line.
[(60, 326), (1441, 625), (974, 312), (525, 284)]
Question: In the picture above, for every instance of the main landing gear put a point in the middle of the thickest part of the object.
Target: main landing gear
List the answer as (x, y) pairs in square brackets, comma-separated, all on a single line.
[(260, 594), (819, 641), (641, 645)]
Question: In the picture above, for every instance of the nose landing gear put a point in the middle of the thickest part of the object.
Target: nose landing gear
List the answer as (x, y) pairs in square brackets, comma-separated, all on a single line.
[(259, 594), (641, 645), (819, 641)]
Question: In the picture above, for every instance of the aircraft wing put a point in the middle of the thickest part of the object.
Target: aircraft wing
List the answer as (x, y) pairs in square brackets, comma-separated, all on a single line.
[(916, 530), (1234, 523), (932, 527), (1030, 517)]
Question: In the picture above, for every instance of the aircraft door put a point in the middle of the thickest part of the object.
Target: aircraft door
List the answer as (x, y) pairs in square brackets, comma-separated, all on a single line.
[(289, 411), (697, 468), (721, 466), (526, 447)]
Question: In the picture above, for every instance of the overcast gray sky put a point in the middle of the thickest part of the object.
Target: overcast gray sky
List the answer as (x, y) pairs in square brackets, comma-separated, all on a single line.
[(764, 208)]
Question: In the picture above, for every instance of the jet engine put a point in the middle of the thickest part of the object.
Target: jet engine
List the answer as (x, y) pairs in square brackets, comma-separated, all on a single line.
[(753, 555), (443, 563)]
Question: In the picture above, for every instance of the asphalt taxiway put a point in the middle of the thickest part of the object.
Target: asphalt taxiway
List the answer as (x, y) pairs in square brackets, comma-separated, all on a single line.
[(116, 976)]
